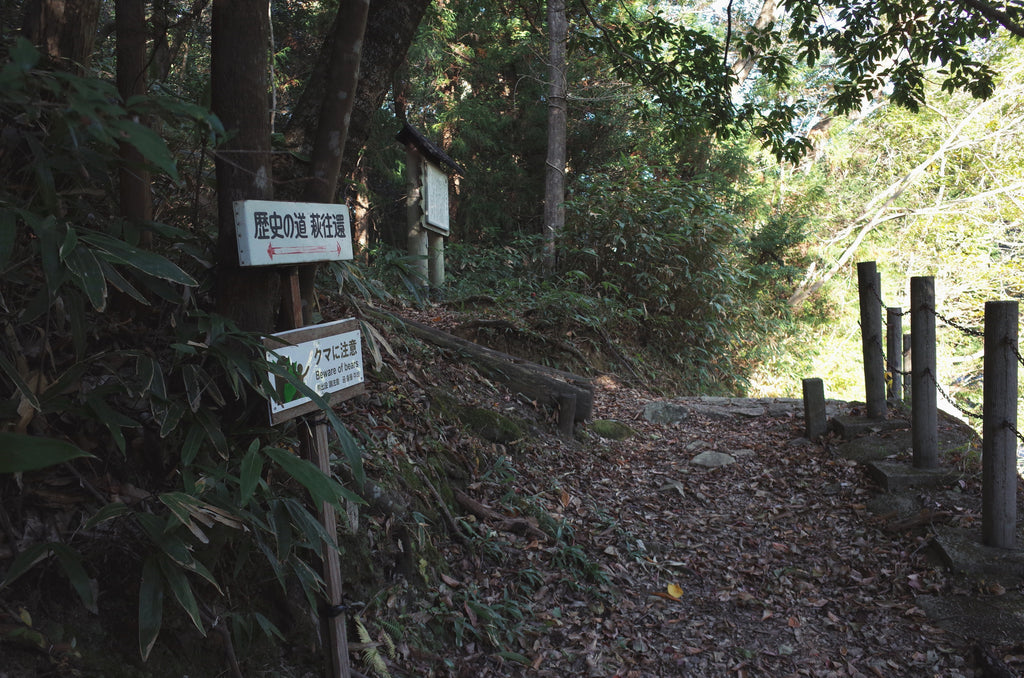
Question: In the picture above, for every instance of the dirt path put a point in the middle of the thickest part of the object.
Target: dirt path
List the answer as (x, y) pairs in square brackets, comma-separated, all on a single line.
[(770, 566)]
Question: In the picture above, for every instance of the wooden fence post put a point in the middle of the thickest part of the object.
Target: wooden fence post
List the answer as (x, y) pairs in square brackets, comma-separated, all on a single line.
[(924, 412), (814, 408), (894, 351), (871, 336), (999, 444), (907, 366)]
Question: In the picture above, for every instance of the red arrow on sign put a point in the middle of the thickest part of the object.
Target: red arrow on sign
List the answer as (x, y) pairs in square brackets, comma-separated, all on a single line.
[(297, 249)]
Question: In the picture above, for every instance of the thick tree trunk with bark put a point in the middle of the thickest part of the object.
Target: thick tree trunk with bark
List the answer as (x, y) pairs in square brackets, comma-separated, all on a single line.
[(332, 128), (240, 31), (130, 23), (65, 30), (390, 29)]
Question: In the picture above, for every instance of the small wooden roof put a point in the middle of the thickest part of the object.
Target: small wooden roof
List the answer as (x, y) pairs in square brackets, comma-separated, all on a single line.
[(409, 135)]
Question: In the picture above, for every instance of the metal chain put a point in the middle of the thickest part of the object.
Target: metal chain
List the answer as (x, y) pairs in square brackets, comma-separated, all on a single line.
[(1015, 431), (948, 399), (885, 308), (1016, 351), (966, 330), (885, 360)]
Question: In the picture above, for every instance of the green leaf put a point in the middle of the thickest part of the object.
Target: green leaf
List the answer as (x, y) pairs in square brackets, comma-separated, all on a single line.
[(516, 657), (193, 441), (148, 143), (151, 606), (151, 378), (169, 417), (173, 546), (119, 252), (108, 512), (23, 54), (8, 368), (268, 626), (312, 529), (214, 432), (321, 487), (45, 230), (44, 176), (25, 561), (20, 452), (69, 244), (115, 278), (84, 264), (176, 502), (71, 562), (113, 420), (193, 389), (252, 468), (348, 444), (182, 592)]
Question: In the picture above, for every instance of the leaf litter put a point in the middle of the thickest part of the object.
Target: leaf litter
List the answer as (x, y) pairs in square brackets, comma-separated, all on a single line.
[(655, 567)]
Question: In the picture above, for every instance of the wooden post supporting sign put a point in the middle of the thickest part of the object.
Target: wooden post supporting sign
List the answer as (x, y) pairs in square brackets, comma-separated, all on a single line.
[(327, 358)]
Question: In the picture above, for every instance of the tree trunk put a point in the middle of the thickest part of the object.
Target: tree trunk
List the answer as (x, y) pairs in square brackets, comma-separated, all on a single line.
[(390, 29), (554, 184), (743, 65), (332, 127), (65, 30), (239, 85), (135, 195)]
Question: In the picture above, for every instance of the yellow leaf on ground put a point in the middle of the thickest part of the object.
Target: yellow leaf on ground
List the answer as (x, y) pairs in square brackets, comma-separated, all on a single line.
[(675, 591)]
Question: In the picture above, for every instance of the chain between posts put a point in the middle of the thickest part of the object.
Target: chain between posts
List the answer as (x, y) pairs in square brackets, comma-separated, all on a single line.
[(973, 415), (966, 330), (1016, 352), (962, 328), (1013, 428)]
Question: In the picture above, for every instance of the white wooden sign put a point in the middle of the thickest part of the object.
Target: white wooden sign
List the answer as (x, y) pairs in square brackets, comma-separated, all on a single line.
[(328, 357), (435, 198), (273, 233)]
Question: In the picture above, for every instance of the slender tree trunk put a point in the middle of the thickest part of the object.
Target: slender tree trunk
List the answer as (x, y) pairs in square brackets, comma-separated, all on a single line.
[(239, 87), (130, 24), (335, 115), (554, 184), (170, 38)]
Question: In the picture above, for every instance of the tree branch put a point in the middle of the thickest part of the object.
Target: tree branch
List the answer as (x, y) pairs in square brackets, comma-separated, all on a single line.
[(993, 14)]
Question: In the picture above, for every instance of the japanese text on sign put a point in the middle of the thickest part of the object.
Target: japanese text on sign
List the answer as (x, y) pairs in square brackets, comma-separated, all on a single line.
[(435, 198), (274, 233), (327, 364)]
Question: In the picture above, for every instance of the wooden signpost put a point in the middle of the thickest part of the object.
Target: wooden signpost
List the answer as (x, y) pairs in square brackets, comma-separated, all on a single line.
[(427, 208), (327, 357)]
